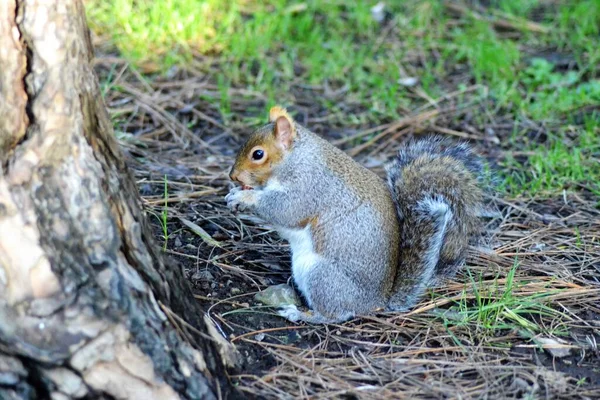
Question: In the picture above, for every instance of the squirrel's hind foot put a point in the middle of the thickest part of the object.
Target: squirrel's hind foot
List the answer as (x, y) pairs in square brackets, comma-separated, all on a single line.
[(292, 313)]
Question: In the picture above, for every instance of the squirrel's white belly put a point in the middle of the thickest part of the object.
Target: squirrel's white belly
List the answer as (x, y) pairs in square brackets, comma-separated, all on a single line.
[(304, 257)]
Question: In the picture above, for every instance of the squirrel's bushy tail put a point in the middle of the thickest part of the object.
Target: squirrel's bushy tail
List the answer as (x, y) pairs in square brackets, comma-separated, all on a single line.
[(436, 185)]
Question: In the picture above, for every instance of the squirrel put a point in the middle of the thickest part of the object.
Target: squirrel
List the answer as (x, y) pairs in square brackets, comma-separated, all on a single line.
[(359, 244)]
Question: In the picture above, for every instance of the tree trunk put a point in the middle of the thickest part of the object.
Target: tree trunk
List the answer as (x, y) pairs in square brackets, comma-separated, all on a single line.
[(88, 307)]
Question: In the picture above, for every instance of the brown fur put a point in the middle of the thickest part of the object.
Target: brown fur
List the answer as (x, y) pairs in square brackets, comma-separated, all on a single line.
[(316, 231), (367, 186), (278, 111), (249, 174), (364, 183), (431, 176), (449, 178)]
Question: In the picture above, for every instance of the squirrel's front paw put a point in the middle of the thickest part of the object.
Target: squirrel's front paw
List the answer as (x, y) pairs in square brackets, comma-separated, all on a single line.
[(241, 200)]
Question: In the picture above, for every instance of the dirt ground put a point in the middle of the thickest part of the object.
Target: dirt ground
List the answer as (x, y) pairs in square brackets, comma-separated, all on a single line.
[(521, 321)]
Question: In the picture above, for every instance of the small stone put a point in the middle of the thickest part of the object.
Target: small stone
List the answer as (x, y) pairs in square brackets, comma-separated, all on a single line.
[(146, 189), (538, 247), (292, 337), (259, 337), (172, 72), (178, 242), (235, 291), (203, 275), (522, 384), (278, 296), (554, 347), (378, 12), (408, 81)]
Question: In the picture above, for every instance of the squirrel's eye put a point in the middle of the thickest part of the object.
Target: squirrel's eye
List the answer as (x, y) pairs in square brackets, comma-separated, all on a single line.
[(258, 155)]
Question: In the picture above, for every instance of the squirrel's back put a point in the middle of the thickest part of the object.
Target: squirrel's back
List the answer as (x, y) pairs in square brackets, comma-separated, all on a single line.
[(437, 187)]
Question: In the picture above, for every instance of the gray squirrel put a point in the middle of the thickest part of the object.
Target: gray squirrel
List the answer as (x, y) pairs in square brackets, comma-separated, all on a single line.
[(358, 244)]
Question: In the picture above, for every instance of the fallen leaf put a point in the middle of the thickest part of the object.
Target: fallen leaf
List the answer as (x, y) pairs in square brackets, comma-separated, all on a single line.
[(206, 238)]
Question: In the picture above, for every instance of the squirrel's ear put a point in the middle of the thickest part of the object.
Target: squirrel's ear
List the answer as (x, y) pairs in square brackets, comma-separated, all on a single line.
[(276, 112), (285, 132)]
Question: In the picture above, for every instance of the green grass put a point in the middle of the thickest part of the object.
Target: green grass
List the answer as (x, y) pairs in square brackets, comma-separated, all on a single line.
[(163, 217), (548, 91), (492, 60), (160, 32), (493, 308), (268, 46), (569, 161)]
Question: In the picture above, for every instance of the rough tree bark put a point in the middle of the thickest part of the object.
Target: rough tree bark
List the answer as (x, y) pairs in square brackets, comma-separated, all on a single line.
[(87, 306)]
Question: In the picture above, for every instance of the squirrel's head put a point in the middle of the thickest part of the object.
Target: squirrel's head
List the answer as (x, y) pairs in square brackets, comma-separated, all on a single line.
[(264, 150)]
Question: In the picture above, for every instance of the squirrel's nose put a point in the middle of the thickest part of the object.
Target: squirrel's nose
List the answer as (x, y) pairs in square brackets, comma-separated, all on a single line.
[(233, 175)]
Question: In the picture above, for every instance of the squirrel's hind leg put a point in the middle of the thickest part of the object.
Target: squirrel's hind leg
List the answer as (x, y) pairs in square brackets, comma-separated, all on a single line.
[(423, 235), (332, 295)]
